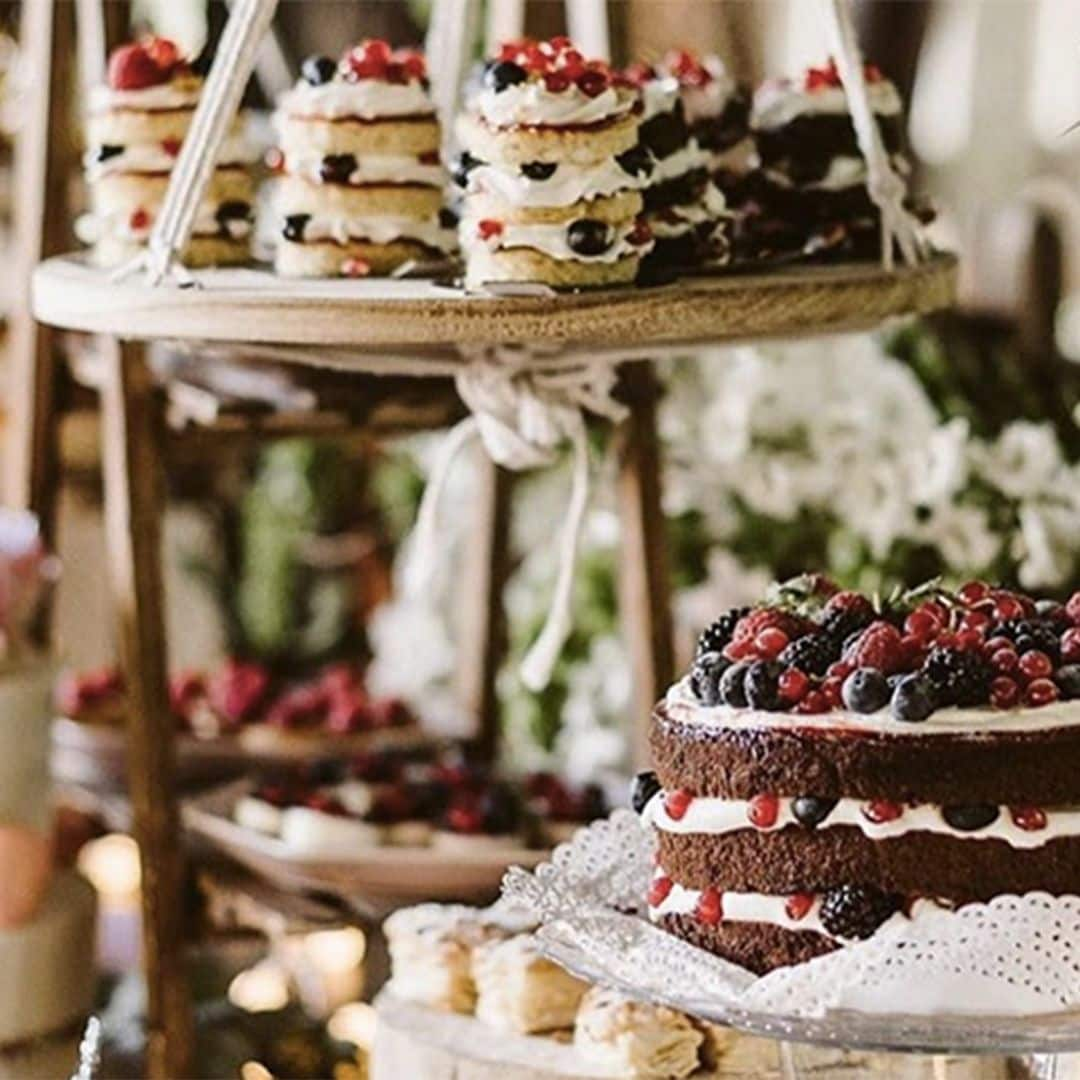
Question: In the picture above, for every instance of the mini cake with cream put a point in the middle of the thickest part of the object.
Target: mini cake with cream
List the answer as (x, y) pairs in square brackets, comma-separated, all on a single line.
[(831, 766), (136, 126), (361, 186), (551, 171), (810, 190)]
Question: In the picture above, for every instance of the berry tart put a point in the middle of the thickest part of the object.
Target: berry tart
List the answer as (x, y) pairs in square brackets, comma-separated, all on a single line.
[(809, 192), (686, 213), (551, 171), (832, 765), (361, 186), (136, 125)]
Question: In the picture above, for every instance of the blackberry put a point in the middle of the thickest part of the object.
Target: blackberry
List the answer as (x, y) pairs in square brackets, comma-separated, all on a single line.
[(856, 911), (958, 678), (733, 685), (645, 785), (760, 684), (841, 623), (705, 677), (1030, 634), (715, 637), (812, 653)]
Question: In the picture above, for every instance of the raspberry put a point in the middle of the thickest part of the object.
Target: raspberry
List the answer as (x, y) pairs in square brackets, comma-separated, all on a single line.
[(1036, 665), (812, 653), (676, 803), (1004, 693), (715, 636), (754, 622), (1028, 818), (770, 643), (815, 702), (710, 907), (1040, 692), (798, 906), (856, 911), (958, 677), (879, 646), (132, 67), (763, 811), (881, 811), (414, 65), (659, 889)]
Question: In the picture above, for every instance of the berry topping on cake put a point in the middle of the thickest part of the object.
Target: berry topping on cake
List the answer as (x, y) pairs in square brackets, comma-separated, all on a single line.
[(798, 906), (705, 677), (763, 810), (762, 685), (959, 677), (823, 78), (659, 890), (142, 64), (1028, 818), (866, 691), (812, 653), (857, 911), (913, 699), (970, 818), (374, 59), (554, 64), (719, 634), (733, 685), (318, 70), (589, 237), (710, 907), (811, 811), (676, 803)]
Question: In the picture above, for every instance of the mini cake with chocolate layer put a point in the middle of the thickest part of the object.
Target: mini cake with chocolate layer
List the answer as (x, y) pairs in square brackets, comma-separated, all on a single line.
[(136, 126), (685, 211), (831, 766), (361, 187), (810, 188), (551, 171)]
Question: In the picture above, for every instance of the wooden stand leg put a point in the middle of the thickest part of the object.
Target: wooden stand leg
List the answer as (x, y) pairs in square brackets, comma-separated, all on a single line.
[(482, 644), (134, 506), (644, 573), (44, 158)]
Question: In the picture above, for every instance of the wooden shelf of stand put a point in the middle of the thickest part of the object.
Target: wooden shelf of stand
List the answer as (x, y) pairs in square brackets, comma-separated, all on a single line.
[(255, 307)]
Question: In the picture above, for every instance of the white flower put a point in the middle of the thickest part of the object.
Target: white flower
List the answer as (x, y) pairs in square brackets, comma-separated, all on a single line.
[(1025, 461), (939, 466), (963, 536), (1046, 544), (412, 650)]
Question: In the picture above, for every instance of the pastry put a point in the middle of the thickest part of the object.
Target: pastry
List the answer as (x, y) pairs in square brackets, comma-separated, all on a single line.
[(831, 767), (361, 187), (635, 1039), (431, 951), (518, 989), (136, 126), (551, 172), (809, 192)]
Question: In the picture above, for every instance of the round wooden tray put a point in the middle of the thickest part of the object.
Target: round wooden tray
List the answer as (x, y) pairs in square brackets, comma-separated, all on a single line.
[(253, 306), (95, 755), (379, 878)]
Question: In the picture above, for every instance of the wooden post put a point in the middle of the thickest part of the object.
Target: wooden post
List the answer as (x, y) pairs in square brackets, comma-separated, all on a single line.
[(44, 158), (482, 640), (644, 573), (134, 505)]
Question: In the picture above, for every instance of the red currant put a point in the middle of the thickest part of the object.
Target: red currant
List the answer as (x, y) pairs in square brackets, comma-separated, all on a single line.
[(833, 691), (1036, 664), (1004, 692), (921, 624), (996, 643), (710, 907), (882, 810), (840, 670), (973, 592), (1007, 606), (1005, 660), (976, 620), (592, 83), (1040, 692), (1028, 818), (793, 685), (969, 640), (814, 702), (763, 810)]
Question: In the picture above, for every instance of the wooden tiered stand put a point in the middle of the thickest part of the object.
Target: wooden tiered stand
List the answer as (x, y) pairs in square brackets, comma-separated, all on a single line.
[(351, 325)]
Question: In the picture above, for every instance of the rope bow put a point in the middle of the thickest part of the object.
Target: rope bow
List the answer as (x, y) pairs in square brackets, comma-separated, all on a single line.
[(523, 418)]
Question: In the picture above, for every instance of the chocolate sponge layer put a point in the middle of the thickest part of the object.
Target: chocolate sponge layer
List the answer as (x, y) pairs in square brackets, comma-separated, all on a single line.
[(794, 859), (1040, 768)]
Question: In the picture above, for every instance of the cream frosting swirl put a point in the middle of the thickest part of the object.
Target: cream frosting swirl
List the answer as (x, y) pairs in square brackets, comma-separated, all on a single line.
[(531, 104), (365, 99), (682, 705), (780, 101), (567, 185)]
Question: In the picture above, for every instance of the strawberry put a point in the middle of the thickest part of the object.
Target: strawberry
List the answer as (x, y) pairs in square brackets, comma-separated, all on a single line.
[(132, 67)]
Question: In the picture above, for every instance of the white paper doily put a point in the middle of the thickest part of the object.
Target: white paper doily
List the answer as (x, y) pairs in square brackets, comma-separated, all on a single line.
[(1002, 977)]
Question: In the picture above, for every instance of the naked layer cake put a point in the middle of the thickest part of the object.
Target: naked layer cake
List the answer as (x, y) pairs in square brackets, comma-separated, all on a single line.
[(810, 187), (551, 171), (831, 765), (136, 125), (362, 184)]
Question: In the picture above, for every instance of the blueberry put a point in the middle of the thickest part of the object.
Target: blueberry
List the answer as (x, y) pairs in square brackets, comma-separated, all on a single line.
[(337, 168), (503, 75), (106, 152), (705, 677), (865, 691), (970, 818), (295, 224), (810, 811), (733, 685), (762, 691), (318, 70), (637, 161), (461, 166), (447, 218), (642, 788), (587, 236), (913, 699), (1068, 681), (539, 170)]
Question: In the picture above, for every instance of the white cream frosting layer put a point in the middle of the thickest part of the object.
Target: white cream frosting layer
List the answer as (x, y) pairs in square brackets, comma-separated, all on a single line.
[(843, 173), (718, 816), (531, 104), (567, 185), (370, 169), (92, 227), (779, 102), (772, 909), (153, 158), (684, 160), (659, 95), (551, 240), (678, 220), (365, 99), (682, 705), (380, 229), (178, 94)]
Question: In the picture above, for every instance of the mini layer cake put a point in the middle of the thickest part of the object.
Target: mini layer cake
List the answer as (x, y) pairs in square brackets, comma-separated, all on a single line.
[(810, 188), (685, 211), (136, 126), (361, 190), (551, 171), (830, 767)]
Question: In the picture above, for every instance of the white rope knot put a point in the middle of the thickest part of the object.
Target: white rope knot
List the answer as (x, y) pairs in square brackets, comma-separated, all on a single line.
[(523, 416)]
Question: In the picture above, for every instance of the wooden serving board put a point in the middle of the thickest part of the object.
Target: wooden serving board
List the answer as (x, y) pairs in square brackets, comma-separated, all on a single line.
[(426, 318)]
